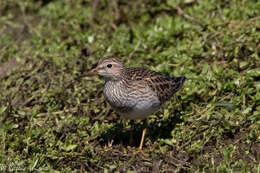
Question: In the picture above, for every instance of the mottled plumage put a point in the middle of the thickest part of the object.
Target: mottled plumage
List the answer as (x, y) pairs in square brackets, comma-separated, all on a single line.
[(135, 93), (163, 86)]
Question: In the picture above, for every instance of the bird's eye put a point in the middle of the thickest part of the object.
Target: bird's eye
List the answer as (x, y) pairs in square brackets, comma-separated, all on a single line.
[(109, 65)]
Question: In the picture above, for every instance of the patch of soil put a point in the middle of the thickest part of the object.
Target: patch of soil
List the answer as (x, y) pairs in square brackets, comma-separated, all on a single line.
[(7, 66)]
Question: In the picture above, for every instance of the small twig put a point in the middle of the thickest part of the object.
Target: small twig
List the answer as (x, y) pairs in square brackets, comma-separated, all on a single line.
[(71, 110), (186, 16), (136, 47), (180, 163)]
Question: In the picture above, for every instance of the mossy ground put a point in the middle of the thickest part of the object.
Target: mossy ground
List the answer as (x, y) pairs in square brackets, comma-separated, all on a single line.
[(51, 122)]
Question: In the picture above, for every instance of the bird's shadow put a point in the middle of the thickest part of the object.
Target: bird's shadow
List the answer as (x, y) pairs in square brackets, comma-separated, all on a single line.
[(157, 129)]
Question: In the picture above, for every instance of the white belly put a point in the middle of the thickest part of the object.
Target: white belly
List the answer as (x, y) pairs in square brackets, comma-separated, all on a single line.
[(127, 104), (142, 109)]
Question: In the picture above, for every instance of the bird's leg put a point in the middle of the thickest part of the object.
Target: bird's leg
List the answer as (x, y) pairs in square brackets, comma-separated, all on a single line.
[(121, 141), (142, 140), (131, 140)]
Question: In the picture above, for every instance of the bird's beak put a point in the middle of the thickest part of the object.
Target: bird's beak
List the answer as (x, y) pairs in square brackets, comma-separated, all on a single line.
[(89, 73), (92, 72)]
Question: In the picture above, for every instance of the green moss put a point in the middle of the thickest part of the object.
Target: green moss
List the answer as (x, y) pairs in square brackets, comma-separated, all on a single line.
[(50, 121)]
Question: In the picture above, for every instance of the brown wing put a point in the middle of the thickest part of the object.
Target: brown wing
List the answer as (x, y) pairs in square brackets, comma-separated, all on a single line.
[(163, 86)]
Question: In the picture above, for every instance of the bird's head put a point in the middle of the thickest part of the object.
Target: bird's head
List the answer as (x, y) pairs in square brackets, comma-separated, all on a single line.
[(109, 67)]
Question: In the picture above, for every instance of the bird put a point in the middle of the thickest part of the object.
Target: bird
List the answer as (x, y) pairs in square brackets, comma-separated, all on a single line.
[(135, 93)]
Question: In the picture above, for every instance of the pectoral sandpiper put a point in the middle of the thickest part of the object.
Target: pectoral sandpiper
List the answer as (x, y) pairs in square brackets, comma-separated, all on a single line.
[(135, 93)]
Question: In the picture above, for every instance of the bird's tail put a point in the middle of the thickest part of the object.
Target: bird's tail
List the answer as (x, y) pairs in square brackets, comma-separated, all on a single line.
[(178, 82)]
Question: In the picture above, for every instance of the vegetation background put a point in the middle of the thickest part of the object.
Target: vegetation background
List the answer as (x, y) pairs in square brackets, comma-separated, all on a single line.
[(52, 122)]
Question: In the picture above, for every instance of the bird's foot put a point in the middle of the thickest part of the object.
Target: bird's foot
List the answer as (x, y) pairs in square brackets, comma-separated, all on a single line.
[(140, 151)]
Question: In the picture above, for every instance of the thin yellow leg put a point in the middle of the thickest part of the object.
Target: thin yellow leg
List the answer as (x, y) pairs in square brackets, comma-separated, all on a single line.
[(142, 140)]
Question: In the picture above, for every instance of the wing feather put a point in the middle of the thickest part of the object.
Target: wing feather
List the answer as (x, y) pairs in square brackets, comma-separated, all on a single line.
[(163, 86)]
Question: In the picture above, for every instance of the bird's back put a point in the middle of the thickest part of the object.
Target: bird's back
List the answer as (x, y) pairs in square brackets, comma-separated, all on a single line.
[(163, 86)]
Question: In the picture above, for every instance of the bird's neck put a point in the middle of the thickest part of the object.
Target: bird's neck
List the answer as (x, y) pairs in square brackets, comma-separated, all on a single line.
[(113, 79)]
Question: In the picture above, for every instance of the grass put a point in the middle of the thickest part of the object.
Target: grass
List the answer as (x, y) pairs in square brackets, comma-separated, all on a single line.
[(51, 122)]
